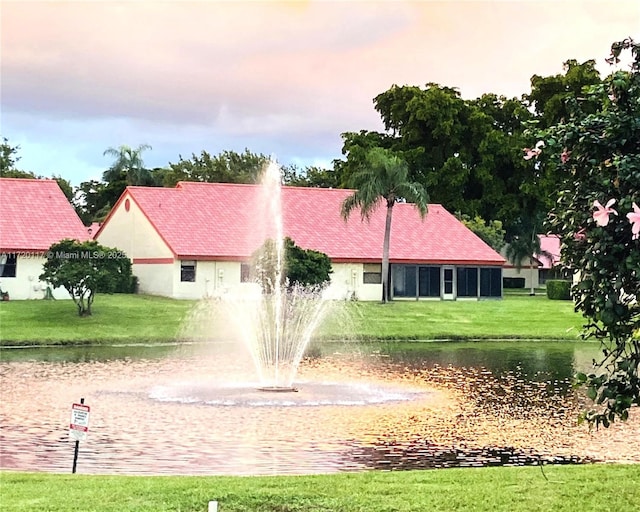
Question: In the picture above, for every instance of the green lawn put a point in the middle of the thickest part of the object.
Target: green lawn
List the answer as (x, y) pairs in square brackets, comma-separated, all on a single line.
[(116, 318), (565, 488), (514, 317), (144, 319)]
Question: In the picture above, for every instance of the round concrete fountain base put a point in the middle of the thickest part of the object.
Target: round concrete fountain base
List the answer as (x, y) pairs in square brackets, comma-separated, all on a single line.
[(278, 389)]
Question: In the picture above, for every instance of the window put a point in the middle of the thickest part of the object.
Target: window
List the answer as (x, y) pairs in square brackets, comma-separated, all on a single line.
[(467, 281), (188, 271), (404, 280), (429, 281), (416, 281), (245, 272), (372, 273), (8, 265), (490, 282)]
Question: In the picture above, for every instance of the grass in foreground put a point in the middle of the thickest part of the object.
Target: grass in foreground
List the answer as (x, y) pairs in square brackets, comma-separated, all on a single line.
[(143, 319), (568, 488)]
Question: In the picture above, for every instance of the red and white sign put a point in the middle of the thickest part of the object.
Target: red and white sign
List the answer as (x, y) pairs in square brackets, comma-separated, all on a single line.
[(79, 422)]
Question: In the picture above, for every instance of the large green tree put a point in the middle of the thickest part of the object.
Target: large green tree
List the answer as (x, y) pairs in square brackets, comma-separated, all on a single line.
[(596, 151), (551, 96), (491, 232), (227, 167), (84, 268), (383, 179), (94, 199), (467, 153), (313, 176)]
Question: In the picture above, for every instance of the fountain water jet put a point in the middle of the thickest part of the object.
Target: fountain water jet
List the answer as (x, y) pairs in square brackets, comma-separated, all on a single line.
[(274, 318)]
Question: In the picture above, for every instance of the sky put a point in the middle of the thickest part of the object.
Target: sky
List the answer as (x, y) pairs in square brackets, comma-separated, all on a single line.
[(283, 79)]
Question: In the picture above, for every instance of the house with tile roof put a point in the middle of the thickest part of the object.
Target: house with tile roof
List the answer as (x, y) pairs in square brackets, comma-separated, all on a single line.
[(34, 214), (549, 258), (534, 272), (195, 240)]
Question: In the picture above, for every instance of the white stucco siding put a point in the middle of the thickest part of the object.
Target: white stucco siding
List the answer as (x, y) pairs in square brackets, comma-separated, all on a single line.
[(26, 284), (523, 272), (132, 232), (154, 279), (220, 277), (347, 283), (211, 278)]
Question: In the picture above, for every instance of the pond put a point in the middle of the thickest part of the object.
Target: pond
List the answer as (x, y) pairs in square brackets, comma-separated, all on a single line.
[(193, 409)]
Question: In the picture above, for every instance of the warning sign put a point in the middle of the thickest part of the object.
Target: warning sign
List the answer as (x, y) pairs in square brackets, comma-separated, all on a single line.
[(79, 422)]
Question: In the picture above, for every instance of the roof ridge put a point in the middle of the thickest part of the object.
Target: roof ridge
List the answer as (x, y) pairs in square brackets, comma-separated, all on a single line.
[(210, 183), (226, 184), (38, 180)]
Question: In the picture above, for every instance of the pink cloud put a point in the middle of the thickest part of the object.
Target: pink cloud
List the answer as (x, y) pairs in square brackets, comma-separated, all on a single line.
[(286, 70)]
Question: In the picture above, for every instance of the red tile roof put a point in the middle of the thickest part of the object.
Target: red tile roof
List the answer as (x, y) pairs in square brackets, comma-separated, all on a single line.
[(226, 221), (34, 214), (93, 228), (550, 244)]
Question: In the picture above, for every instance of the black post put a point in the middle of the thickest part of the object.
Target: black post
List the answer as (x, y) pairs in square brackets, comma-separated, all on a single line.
[(75, 451)]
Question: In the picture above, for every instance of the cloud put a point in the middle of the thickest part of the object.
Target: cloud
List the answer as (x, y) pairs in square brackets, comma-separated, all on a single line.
[(269, 76), (179, 61)]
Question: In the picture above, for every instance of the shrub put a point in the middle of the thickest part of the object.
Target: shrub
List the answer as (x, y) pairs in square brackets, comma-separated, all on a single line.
[(559, 289)]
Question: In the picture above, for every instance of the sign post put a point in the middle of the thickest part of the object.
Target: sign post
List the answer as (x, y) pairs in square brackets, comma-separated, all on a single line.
[(78, 427)]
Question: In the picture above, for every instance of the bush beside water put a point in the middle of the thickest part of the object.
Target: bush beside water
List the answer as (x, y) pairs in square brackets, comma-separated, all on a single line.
[(559, 289)]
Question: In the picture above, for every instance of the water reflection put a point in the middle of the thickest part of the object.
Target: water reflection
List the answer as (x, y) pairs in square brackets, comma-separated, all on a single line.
[(182, 410)]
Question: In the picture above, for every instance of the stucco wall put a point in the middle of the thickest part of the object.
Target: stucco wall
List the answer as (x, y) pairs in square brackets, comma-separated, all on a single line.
[(26, 284), (219, 277), (212, 278), (132, 232), (154, 279), (346, 283), (523, 272)]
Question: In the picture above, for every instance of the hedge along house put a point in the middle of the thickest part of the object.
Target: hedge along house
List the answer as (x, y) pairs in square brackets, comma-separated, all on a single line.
[(195, 240), (34, 214)]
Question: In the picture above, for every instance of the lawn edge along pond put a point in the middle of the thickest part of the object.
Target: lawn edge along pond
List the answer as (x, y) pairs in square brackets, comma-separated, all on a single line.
[(141, 319), (557, 488)]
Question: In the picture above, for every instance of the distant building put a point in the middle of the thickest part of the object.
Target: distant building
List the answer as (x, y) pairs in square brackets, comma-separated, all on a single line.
[(537, 270), (195, 240), (549, 258), (34, 214), (93, 229)]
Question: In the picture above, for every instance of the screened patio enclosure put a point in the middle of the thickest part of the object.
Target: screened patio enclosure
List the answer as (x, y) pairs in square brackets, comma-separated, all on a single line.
[(447, 282)]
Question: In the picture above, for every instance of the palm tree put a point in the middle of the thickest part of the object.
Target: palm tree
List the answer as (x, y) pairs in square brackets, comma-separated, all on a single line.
[(383, 177), (524, 247), (128, 164)]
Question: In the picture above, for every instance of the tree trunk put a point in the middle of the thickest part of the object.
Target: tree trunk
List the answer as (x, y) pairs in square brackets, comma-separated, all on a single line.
[(385, 255), (533, 290)]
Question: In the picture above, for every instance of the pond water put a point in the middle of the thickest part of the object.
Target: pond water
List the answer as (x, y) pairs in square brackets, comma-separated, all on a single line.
[(194, 409)]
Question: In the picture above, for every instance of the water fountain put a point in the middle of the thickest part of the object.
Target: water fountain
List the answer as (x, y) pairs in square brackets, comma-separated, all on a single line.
[(273, 321), (274, 318)]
